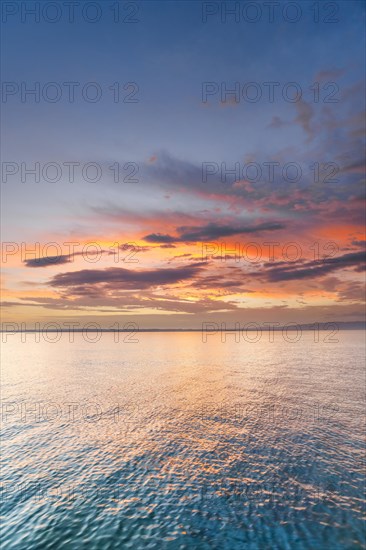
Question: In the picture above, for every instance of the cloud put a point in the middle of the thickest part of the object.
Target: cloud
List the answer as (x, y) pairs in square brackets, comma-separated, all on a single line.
[(277, 122), (313, 269), (328, 74), (361, 243), (212, 231), (357, 167), (352, 292), (304, 117), (159, 238), (49, 260), (86, 280)]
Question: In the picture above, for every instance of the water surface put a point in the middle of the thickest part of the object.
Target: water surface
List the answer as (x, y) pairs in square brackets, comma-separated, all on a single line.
[(172, 442)]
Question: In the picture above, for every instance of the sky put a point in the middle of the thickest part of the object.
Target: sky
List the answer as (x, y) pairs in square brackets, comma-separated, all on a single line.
[(177, 163)]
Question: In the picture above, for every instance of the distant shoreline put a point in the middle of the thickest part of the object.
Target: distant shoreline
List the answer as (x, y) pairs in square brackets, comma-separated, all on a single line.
[(291, 326)]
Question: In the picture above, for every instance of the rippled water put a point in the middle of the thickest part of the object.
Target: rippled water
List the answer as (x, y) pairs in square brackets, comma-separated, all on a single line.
[(172, 442)]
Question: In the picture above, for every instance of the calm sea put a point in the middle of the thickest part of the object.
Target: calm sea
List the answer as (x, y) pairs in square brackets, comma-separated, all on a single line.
[(163, 440)]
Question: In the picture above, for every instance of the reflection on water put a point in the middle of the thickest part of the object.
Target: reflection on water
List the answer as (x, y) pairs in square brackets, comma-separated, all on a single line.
[(173, 442)]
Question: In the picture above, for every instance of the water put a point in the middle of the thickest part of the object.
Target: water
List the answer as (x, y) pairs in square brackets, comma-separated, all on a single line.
[(171, 442)]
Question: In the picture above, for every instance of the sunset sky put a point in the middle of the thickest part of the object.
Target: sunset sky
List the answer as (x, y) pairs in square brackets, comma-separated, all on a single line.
[(178, 242)]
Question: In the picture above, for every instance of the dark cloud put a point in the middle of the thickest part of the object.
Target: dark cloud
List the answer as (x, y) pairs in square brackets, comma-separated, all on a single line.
[(274, 195), (313, 269), (159, 238), (49, 260), (85, 280), (211, 232), (359, 243)]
